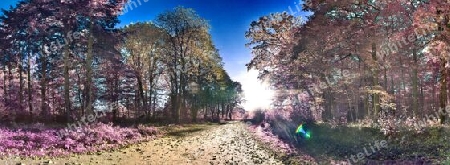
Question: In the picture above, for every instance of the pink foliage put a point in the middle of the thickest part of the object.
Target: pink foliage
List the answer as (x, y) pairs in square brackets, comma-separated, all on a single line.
[(38, 140)]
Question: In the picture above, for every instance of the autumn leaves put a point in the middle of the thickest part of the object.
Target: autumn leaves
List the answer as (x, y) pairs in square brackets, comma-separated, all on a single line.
[(357, 59)]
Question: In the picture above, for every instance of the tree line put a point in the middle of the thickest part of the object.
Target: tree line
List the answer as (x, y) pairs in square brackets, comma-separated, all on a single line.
[(356, 60), (64, 59)]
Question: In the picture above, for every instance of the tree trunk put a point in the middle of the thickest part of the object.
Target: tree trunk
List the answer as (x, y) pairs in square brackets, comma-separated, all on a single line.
[(223, 110), (443, 93), (184, 116), (154, 105), (443, 81), (20, 68), (5, 88), (89, 71), (80, 92), (415, 89), (205, 113), (67, 82), (151, 99), (10, 79), (116, 86), (402, 74), (194, 113), (230, 112), (376, 97), (10, 82), (394, 93), (435, 103), (386, 86), (174, 107), (142, 99), (30, 90), (44, 82), (151, 78)]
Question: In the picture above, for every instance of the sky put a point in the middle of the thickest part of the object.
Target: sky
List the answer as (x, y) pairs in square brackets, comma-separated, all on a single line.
[(229, 20)]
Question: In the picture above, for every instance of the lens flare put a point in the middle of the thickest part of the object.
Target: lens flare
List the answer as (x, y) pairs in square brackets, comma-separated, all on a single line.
[(302, 132), (300, 129), (308, 135)]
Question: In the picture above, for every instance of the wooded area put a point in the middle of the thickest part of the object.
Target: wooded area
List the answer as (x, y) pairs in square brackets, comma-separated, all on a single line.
[(354, 61), (353, 75), (62, 60)]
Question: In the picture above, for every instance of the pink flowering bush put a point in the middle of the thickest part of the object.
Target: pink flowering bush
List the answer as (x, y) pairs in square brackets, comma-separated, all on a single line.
[(36, 140)]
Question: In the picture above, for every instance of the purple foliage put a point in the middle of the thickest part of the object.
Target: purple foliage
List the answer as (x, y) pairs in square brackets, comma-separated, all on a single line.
[(37, 140)]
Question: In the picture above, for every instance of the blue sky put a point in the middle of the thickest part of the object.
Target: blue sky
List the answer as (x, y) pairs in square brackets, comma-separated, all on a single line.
[(6, 3), (229, 20)]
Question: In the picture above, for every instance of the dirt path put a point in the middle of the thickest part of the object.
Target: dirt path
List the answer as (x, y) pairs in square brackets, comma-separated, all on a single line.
[(224, 144)]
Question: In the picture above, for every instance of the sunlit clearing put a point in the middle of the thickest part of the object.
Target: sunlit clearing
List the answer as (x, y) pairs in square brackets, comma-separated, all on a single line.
[(256, 93)]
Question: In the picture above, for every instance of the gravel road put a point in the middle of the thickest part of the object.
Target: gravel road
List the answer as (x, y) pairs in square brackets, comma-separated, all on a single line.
[(223, 144)]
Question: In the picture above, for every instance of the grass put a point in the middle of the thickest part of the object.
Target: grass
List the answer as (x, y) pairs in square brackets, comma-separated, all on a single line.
[(339, 143)]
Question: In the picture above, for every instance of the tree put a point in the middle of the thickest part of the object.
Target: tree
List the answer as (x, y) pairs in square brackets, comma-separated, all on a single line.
[(181, 25), (143, 44), (74, 59), (435, 15)]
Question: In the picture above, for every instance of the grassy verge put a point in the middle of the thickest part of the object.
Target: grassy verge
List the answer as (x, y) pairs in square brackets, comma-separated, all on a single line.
[(338, 144), (269, 144)]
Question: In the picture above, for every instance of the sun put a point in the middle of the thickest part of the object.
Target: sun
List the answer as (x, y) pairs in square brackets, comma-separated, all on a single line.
[(257, 94)]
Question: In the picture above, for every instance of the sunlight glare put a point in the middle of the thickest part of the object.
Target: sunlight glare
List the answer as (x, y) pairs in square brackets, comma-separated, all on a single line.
[(257, 94)]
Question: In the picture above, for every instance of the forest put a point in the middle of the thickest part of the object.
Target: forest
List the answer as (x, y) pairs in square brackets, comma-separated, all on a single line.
[(353, 61), (353, 75), (359, 64), (61, 61)]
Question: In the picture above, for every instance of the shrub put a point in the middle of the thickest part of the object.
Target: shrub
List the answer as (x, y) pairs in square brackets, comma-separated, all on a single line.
[(258, 116), (36, 140)]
